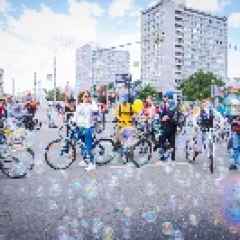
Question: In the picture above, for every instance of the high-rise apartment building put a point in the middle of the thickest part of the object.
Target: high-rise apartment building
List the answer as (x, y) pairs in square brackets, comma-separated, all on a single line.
[(99, 66), (178, 41)]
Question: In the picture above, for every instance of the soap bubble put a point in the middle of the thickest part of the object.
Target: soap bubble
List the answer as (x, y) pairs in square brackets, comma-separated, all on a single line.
[(167, 229), (150, 216)]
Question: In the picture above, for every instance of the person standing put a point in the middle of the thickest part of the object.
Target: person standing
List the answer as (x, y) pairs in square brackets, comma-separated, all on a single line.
[(84, 122), (234, 144), (169, 125)]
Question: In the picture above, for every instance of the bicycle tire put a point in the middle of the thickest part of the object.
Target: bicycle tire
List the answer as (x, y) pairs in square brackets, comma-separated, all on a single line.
[(20, 174), (100, 161), (71, 153), (147, 145), (211, 160)]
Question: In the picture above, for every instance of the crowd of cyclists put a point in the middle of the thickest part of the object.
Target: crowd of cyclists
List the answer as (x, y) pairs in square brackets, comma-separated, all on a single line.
[(14, 110), (199, 125), (200, 128)]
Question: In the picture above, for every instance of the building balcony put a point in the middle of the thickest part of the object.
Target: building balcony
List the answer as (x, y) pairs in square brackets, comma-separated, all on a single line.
[(179, 56), (179, 50), (179, 26), (179, 19), (178, 74), (179, 12), (180, 33), (178, 63), (179, 45)]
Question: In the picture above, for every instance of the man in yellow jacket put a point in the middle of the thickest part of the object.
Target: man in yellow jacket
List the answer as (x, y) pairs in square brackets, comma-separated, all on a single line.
[(124, 115)]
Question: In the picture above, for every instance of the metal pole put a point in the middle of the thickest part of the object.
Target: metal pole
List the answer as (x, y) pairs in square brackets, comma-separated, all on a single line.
[(55, 78), (35, 85), (13, 88)]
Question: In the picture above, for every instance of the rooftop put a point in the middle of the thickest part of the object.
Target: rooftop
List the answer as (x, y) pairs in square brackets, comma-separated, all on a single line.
[(224, 18), (161, 2)]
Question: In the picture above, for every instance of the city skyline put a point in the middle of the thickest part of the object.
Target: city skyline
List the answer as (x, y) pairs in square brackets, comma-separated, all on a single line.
[(31, 31)]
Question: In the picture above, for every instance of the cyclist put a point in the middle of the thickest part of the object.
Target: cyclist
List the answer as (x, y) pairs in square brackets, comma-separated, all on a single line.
[(147, 115), (205, 122), (192, 140), (84, 123), (234, 144), (168, 125), (3, 112), (70, 107), (124, 116), (149, 110)]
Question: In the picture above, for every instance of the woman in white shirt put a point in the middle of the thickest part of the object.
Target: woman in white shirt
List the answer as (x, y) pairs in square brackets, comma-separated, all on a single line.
[(84, 121)]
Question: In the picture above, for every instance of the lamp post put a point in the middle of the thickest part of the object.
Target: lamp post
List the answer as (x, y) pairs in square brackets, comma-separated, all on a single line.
[(35, 85), (13, 88), (55, 78), (1, 82)]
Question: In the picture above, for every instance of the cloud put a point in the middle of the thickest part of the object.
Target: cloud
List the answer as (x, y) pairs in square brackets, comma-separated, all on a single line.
[(4, 6), (119, 8), (234, 20), (28, 43), (233, 63), (208, 5)]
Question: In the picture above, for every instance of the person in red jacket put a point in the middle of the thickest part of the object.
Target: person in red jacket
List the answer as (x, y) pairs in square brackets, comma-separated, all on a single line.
[(3, 110)]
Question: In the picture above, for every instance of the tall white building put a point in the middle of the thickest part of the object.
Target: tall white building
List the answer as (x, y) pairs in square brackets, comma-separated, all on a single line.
[(99, 66), (178, 41)]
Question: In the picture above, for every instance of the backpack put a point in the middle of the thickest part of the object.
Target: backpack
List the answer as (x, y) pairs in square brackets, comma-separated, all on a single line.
[(120, 111)]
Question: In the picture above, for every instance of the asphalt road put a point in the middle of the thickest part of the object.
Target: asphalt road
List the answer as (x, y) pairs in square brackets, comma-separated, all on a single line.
[(158, 201)]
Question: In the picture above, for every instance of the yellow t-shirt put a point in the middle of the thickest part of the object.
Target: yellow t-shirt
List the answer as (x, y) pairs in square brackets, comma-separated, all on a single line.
[(124, 114)]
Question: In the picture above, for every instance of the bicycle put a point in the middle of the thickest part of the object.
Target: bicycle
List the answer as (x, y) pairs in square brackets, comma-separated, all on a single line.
[(160, 143), (62, 152), (192, 142), (208, 140), (16, 157), (133, 147)]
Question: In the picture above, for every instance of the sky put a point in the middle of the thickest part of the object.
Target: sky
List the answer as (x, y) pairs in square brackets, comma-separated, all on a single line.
[(33, 31)]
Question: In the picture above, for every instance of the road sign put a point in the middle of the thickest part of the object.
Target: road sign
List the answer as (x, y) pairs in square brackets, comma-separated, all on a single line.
[(123, 78)]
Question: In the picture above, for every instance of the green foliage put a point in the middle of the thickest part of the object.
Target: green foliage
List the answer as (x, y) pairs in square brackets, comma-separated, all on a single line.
[(146, 91), (50, 95), (198, 86), (110, 86)]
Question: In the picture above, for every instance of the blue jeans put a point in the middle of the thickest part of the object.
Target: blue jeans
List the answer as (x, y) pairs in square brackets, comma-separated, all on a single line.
[(235, 149), (86, 136)]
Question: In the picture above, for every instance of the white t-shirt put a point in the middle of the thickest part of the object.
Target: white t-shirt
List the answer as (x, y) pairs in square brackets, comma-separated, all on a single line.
[(83, 115)]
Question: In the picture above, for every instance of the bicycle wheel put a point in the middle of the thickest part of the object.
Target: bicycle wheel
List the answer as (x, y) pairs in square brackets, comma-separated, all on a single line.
[(103, 151), (211, 161), (142, 152), (17, 162), (60, 154), (189, 151)]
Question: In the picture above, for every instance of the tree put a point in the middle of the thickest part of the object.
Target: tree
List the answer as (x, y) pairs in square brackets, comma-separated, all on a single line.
[(50, 95), (198, 86), (146, 91), (110, 86)]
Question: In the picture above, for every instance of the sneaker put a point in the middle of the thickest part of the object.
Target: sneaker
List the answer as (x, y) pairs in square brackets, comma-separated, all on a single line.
[(233, 167), (90, 167), (82, 164)]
